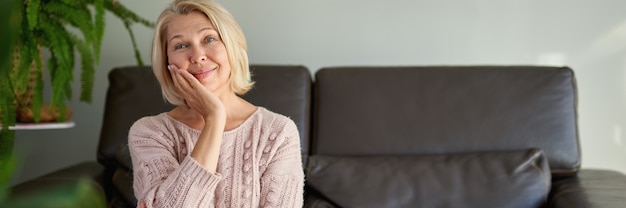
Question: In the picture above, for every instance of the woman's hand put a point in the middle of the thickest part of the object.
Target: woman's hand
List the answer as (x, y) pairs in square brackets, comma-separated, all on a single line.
[(202, 100), (197, 96)]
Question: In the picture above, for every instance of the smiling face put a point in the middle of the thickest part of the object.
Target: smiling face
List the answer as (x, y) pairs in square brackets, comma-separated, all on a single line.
[(194, 45)]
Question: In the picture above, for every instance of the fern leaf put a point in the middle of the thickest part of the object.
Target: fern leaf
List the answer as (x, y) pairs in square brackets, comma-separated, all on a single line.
[(129, 18), (132, 38), (37, 101), (58, 44), (20, 73), (126, 15), (61, 76), (58, 78), (87, 72), (74, 15), (8, 113), (25, 47), (68, 83), (98, 28), (7, 100), (32, 12), (74, 2)]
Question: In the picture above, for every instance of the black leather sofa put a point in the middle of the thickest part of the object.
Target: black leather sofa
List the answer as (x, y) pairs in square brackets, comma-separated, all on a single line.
[(445, 136)]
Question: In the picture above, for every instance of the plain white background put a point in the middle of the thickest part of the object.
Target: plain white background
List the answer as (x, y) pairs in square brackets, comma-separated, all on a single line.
[(588, 36)]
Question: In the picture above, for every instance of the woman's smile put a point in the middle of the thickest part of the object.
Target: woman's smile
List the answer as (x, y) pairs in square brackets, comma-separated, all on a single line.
[(202, 74)]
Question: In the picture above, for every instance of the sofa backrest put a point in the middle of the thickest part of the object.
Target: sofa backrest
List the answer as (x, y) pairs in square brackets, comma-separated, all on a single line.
[(439, 110), (134, 93), (285, 90)]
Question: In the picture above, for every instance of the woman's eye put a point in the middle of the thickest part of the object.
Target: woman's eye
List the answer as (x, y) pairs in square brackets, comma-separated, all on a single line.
[(180, 46), (209, 39)]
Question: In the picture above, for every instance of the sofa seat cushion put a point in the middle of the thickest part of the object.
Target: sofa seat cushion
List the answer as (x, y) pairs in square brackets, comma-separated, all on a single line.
[(488, 179)]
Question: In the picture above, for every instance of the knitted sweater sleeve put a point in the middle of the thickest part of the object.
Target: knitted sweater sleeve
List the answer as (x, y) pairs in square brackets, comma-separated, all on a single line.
[(282, 182), (160, 180)]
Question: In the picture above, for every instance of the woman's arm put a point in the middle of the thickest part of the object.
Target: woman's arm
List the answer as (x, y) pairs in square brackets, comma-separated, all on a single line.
[(206, 104), (282, 183)]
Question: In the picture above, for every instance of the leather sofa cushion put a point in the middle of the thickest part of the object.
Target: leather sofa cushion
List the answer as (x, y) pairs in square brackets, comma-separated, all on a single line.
[(492, 179)]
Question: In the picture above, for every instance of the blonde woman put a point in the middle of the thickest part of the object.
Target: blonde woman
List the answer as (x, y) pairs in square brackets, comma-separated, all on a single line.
[(214, 149)]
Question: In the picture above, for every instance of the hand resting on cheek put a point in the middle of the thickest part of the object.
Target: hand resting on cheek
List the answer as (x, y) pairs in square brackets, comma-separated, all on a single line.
[(197, 96)]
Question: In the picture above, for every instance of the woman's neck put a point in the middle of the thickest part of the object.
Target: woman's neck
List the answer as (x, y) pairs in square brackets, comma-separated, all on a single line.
[(237, 111)]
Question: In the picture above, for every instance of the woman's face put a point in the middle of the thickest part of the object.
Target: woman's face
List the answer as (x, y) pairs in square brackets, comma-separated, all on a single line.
[(194, 45)]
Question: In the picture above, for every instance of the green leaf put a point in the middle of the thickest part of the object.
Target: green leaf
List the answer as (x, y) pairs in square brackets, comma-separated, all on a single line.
[(37, 101), (63, 55), (129, 18), (75, 15), (126, 14), (87, 72), (99, 29), (57, 76), (20, 73), (132, 39), (32, 13)]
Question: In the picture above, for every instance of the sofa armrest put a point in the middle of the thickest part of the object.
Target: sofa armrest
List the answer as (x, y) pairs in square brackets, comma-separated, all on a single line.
[(89, 171), (75, 186), (589, 188)]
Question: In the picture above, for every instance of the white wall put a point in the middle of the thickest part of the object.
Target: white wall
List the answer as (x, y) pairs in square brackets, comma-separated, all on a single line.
[(589, 36)]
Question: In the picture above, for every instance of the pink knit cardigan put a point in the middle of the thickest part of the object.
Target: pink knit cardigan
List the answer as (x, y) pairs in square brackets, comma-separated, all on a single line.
[(259, 165)]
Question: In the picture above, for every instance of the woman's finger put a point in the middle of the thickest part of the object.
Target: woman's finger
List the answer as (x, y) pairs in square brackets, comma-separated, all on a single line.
[(191, 80), (180, 82)]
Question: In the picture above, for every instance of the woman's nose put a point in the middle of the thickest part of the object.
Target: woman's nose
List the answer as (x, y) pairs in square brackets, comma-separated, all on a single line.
[(198, 56)]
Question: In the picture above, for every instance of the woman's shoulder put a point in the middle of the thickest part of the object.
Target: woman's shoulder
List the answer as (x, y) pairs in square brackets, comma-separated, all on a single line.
[(268, 116), (150, 121), (154, 124), (275, 121)]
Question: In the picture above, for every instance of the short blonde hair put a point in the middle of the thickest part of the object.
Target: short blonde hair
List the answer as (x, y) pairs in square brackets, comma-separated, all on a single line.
[(228, 30)]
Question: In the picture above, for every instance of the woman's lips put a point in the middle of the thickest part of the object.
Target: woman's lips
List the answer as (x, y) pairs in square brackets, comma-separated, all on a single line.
[(203, 74)]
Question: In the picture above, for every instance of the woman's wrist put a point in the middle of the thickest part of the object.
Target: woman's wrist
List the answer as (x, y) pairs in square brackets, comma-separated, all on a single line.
[(215, 119)]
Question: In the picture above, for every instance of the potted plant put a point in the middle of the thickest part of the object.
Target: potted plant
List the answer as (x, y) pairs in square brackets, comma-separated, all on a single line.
[(44, 25), (64, 28)]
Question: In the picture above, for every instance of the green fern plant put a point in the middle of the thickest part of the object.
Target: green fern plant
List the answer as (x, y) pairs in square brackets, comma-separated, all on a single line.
[(44, 24), (36, 25)]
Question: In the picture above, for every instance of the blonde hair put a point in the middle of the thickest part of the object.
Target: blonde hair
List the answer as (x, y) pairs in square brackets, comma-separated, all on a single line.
[(228, 30)]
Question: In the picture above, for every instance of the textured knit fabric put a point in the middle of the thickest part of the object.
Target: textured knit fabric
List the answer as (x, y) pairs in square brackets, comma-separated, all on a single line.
[(259, 164)]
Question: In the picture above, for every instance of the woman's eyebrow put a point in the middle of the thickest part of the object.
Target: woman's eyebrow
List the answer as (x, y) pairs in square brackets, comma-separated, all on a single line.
[(201, 30), (207, 29)]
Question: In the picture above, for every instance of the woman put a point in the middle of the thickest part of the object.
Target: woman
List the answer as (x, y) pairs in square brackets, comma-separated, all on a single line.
[(214, 149)]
